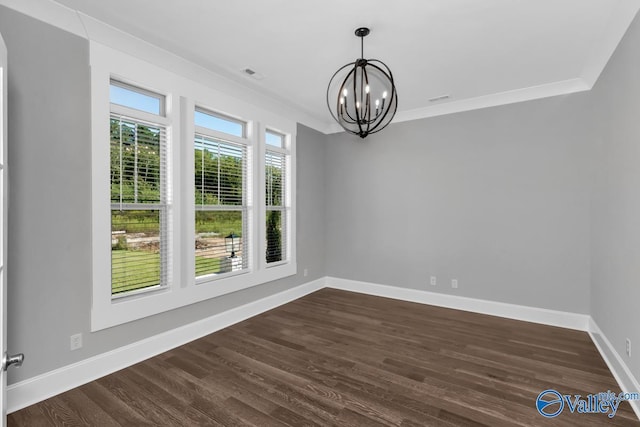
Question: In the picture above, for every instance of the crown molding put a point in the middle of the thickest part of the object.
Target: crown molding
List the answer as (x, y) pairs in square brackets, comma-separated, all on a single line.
[(486, 101)]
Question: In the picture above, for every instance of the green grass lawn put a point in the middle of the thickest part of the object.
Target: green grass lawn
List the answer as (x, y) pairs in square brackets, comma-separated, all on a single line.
[(131, 270), (206, 266)]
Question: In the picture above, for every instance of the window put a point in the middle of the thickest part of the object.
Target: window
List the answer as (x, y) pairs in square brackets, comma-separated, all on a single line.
[(136, 98), (221, 208), (179, 212), (220, 123), (139, 208), (275, 139), (276, 198)]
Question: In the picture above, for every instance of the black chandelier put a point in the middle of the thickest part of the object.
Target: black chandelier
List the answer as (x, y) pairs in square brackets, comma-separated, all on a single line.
[(364, 100)]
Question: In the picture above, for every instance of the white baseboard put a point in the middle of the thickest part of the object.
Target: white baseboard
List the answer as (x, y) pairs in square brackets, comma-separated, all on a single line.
[(626, 380), (33, 390), (511, 311)]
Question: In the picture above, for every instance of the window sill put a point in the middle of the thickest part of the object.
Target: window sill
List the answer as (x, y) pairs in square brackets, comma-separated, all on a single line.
[(134, 307)]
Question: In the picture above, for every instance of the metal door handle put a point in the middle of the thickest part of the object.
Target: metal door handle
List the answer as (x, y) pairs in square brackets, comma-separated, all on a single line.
[(15, 359)]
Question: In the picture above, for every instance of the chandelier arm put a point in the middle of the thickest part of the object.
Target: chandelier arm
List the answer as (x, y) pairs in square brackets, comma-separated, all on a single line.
[(381, 120), (348, 119), (394, 113), (329, 87), (353, 121), (367, 112), (364, 102), (355, 95), (363, 106), (367, 109), (392, 98), (395, 108), (344, 82)]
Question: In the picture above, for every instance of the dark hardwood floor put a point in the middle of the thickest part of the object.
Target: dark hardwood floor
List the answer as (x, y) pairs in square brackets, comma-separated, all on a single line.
[(346, 359)]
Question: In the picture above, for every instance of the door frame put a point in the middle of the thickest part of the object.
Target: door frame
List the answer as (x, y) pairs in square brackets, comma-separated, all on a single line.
[(3, 230)]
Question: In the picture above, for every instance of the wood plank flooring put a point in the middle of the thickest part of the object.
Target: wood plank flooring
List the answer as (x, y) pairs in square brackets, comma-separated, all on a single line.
[(336, 358)]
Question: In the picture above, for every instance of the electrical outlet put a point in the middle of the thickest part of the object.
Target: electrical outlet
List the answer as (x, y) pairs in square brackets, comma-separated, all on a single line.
[(433, 280), (454, 283), (76, 341), (305, 272), (628, 349)]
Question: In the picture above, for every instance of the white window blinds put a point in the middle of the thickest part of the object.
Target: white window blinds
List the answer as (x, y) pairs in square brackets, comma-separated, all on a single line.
[(138, 205), (221, 211), (276, 207)]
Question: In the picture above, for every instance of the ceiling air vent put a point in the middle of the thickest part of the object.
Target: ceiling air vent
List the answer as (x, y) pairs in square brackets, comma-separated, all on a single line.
[(250, 72), (439, 98)]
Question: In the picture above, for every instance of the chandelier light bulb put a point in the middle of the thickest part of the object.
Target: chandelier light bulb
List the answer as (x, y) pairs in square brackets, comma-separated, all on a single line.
[(366, 89)]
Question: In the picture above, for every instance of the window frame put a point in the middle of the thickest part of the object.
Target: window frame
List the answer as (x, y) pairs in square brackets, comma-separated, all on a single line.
[(285, 210), (182, 95), (247, 205), (163, 205)]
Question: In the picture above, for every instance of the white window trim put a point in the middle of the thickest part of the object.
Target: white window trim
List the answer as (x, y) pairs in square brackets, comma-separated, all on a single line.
[(182, 97)]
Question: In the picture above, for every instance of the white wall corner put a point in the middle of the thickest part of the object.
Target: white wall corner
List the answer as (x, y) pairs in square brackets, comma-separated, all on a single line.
[(626, 380), (511, 311), (36, 389)]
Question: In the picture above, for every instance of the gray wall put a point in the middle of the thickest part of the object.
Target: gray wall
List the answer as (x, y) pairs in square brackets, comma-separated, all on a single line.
[(615, 281), (49, 269), (497, 198)]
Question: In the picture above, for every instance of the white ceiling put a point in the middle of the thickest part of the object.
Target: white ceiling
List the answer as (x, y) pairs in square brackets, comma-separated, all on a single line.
[(477, 51)]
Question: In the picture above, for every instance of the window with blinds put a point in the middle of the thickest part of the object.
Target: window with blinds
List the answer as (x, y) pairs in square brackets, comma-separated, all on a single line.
[(276, 200), (193, 191), (139, 208), (221, 208)]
